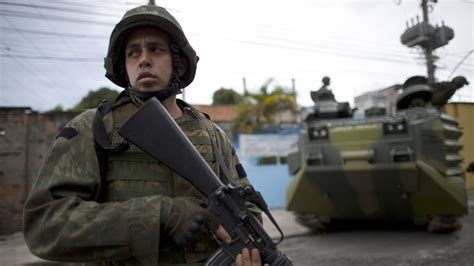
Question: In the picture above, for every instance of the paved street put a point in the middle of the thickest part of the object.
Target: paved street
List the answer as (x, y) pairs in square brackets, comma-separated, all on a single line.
[(384, 245), (372, 244)]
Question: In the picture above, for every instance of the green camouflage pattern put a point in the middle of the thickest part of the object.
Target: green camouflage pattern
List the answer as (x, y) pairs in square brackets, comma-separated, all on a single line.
[(400, 167), (71, 215)]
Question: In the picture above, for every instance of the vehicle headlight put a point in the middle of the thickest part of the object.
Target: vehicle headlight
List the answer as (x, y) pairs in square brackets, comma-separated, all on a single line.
[(395, 127), (318, 133)]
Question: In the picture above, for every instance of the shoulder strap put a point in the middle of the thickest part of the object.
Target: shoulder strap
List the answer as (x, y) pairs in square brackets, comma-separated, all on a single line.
[(98, 127), (101, 137), (102, 143), (101, 140), (226, 177)]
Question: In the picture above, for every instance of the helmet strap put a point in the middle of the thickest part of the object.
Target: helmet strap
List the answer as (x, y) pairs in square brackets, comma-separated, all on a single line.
[(175, 83), (174, 86)]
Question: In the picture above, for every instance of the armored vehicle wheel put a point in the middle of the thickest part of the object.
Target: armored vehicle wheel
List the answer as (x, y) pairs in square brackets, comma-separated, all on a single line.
[(311, 221), (444, 224)]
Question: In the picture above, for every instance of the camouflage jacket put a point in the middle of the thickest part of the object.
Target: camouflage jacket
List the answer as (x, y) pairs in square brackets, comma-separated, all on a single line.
[(72, 214)]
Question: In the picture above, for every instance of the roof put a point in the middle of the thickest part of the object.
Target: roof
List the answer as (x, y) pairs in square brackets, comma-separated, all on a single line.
[(218, 113)]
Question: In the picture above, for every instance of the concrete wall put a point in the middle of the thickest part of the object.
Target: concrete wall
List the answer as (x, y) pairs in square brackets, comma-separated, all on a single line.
[(25, 138), (464, 113)]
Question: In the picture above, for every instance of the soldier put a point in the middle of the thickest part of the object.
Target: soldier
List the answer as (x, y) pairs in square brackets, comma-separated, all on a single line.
[(323, 94), (99, 200), (443, 91), (418, 93)]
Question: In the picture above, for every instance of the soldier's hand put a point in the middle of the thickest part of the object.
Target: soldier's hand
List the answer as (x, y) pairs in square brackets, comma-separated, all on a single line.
[(249, 258), (222, 234), (246, 258), (186, 220)]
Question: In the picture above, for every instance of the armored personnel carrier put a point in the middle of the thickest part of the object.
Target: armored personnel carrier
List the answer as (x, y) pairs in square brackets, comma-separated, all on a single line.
[(400, 167), (404, 166)]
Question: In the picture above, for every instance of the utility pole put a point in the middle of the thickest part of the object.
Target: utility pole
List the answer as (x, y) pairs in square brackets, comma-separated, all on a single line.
[(428, 37), (293, 88), (293, 85), (245, 84), (151, 2), (429, 47)]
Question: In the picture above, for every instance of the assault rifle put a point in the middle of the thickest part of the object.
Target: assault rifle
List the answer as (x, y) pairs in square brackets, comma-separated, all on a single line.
[(154, 131)]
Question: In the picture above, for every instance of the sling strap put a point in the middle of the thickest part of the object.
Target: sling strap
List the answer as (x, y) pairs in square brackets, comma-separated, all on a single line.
[(102, 142), (226, 177)]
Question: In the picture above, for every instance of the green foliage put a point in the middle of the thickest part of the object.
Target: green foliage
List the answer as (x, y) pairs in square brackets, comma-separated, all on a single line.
[(94, 98), (248, 117), (57, 109), (226, 96), (263, 108)]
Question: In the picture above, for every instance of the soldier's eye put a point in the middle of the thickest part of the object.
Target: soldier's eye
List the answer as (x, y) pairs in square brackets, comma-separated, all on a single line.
[(132, 53), (157, 49)]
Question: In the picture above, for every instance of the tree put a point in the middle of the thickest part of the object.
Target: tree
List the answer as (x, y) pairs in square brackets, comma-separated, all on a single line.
[(57, 109), (263, 108), (226, 96), (94, 98)]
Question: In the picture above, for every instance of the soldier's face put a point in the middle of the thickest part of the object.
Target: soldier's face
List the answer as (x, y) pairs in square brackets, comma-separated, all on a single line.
[(148, 59)]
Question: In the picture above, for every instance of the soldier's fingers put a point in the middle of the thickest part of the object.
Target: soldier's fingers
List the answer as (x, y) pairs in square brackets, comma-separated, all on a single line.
[(256, 261), (238, 260), (247, 261), (223, 235)]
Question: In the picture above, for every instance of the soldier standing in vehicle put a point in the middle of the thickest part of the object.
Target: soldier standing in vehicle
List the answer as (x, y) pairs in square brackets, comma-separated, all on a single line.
[(324, 93), (99, 200)]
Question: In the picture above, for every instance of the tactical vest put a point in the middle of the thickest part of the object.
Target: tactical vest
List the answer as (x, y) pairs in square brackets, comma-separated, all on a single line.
[(133, 173)]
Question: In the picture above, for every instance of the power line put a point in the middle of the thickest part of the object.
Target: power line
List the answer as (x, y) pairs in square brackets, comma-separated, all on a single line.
[(330, 45), (95, 5), (464, 58), (33, 44), (104, 37), (49, 33), (63, 9), (88, 21), (19, 14), (313, 50), (64, 42), (53, 58), (99, 13)]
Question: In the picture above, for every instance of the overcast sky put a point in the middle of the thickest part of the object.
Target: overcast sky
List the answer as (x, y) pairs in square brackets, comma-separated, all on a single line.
[(51, 52)]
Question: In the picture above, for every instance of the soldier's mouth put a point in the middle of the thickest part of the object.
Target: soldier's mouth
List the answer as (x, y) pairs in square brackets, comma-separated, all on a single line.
[(145, 75)]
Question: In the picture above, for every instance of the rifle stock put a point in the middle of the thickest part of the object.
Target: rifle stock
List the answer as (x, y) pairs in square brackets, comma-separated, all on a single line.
[(154, 131)]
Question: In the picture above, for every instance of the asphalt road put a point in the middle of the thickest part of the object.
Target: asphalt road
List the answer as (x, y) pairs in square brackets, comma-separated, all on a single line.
[(359, 244), (384, 245)]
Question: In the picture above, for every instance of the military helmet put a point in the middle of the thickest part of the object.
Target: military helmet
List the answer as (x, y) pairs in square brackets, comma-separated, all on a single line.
[(415, 87), (412, 92), (326, 80), (153, 16), (415, 80)]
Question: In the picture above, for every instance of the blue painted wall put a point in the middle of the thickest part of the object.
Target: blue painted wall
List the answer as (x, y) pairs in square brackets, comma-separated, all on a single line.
[(271, 180)]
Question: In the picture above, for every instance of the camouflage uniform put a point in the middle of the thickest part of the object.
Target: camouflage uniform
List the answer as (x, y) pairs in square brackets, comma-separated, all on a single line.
[(443, 91), (73, 215)]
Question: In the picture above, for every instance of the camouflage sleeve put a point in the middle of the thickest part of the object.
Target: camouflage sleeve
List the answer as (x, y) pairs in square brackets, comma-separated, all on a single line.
[(63, 219), (235, 167), (442, 92)]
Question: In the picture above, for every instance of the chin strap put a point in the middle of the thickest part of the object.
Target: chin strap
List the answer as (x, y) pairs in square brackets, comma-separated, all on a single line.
[(143, 96), (174, 86)]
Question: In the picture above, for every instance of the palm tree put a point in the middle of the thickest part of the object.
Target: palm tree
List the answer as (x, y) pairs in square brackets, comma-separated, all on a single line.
[(260, 109)]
